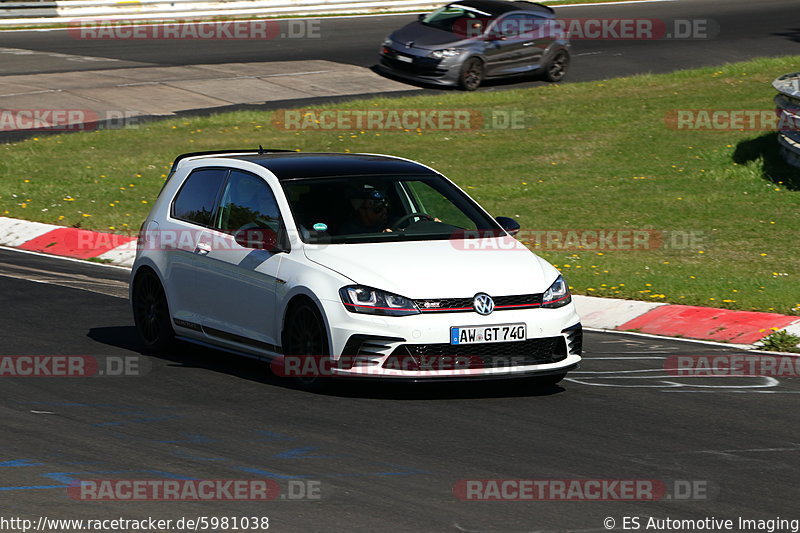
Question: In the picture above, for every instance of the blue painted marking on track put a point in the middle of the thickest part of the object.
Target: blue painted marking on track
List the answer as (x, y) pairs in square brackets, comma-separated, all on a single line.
[(67, 479), (301, 453), (15, 463)]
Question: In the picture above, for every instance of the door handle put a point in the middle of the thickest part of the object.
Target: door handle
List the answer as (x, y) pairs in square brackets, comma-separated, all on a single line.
[(529, 43), (202, 248)]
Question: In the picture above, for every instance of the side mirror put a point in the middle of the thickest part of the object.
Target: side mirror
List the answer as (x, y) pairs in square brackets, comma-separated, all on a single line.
[(508, 224), (258, 239), (421, 16)]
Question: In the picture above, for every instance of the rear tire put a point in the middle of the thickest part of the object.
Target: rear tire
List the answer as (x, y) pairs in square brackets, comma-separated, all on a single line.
[(151, 312), (472, 73), (555, 69)]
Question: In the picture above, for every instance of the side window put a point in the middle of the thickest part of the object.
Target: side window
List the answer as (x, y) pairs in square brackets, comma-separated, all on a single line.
[(196, 199), (514, 25), (248, 203)]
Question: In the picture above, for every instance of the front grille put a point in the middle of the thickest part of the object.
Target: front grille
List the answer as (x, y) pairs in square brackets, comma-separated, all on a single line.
[(421, 66), (460, 305), (464, 356)]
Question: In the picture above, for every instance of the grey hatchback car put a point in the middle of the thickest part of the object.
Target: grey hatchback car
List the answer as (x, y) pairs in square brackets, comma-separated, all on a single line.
[(463, 43)]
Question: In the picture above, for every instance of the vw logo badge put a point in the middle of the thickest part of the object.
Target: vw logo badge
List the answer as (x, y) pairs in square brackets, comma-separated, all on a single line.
[(483, 303)]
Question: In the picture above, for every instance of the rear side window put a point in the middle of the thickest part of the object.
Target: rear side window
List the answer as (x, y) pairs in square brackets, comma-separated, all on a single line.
[(197, 198)]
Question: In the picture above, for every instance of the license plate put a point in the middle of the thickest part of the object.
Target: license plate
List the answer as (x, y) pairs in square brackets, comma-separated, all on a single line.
[(405, 58), (484, 334)]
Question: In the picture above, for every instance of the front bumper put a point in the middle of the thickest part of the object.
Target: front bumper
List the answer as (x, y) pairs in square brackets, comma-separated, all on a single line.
[(418, 346), (421, 68)]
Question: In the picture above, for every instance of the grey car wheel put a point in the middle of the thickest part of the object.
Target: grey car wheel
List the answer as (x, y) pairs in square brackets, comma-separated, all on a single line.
[(305, 336), (556, 68), (151, 312), (472, 73)]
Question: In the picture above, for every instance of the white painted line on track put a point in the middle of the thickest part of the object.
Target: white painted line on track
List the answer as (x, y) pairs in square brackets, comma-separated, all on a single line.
[(333, 17)]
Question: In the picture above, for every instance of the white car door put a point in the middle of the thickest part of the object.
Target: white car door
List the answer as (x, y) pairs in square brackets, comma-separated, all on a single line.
[(177, 236), (237, 283)]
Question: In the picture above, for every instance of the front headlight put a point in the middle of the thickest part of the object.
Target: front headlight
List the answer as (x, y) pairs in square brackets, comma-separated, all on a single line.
[(447, 52), (557, 295), (360, 299)]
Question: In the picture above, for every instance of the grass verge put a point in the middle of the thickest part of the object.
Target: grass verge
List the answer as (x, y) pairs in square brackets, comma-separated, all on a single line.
[(590, 156)]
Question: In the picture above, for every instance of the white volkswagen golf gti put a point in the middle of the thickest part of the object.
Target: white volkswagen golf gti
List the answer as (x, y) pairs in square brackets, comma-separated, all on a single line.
[(352, 265)]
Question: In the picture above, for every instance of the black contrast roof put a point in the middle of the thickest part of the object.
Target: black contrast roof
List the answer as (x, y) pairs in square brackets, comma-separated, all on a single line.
[(288, 165), (498, 7)]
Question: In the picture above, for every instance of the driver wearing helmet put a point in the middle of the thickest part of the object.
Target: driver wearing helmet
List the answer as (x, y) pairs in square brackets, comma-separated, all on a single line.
[(370, 212)]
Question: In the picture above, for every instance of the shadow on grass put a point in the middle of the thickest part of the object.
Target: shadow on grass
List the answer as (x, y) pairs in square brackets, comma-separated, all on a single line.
[(188, 355), (773, 168)]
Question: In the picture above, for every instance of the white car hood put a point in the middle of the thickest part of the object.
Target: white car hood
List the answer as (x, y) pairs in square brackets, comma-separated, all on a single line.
[(439, 269)]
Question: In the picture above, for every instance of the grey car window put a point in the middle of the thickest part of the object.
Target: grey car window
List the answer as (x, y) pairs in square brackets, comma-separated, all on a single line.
[(248, 203), (195, 202)]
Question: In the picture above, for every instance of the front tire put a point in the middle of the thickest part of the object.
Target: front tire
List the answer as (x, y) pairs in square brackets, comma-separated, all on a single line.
[(472, 74), (557, 67), (305, 335), (151, 312)]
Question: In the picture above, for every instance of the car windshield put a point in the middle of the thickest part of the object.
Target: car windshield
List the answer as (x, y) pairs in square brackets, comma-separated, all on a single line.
[(458, 19), (358, 209)]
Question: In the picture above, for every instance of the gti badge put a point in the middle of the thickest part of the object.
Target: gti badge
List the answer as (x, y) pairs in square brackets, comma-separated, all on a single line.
[(483, 303)]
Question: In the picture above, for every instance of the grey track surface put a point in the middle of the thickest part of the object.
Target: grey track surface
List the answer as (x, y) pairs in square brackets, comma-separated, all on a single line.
[(109, 79), (386, 456), (747, 29)]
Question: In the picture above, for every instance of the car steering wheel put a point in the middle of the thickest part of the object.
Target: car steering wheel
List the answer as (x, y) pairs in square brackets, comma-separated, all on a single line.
[(396, 225)]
